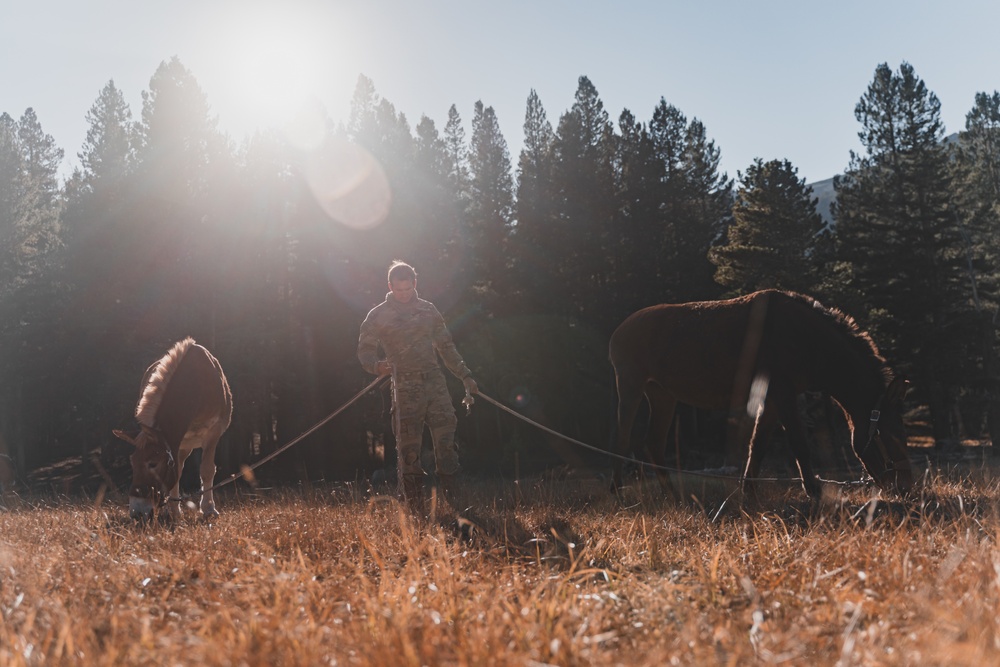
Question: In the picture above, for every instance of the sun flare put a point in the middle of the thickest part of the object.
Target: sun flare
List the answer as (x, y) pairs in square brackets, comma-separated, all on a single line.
[(277, 68)]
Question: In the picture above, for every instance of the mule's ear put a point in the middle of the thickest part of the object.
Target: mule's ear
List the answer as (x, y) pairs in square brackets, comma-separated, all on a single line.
[(896, 390), (124, 436)]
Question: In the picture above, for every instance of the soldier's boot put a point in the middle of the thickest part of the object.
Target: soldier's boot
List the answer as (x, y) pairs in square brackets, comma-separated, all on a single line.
[(467, 522), (413, 494), (450, 488)]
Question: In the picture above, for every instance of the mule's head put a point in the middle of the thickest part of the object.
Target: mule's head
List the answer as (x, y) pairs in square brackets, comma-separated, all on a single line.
[(154, 472), (880, 443)]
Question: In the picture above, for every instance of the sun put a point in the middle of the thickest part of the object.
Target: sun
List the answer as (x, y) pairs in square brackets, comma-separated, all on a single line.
[(276, 67)]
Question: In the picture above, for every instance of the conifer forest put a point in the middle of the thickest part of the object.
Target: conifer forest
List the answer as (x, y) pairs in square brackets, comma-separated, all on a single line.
[(270, 254)]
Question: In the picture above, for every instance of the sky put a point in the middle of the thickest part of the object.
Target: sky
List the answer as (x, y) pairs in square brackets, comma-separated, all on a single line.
[(770, 79)]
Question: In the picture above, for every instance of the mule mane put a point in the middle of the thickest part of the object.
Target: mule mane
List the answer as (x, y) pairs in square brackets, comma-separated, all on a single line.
[(859, 339), (156, 385)]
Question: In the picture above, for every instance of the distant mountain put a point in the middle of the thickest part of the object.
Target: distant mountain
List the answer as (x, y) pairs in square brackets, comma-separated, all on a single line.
[(823, 190)]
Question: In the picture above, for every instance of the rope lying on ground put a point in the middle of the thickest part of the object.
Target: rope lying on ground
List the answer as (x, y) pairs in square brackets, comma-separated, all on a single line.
[(614, 455)]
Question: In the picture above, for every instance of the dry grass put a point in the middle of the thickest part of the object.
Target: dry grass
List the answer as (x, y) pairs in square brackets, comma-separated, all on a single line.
[(565, 576)]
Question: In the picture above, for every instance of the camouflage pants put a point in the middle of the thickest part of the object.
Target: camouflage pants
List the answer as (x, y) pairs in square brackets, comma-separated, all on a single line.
[(418, 399)]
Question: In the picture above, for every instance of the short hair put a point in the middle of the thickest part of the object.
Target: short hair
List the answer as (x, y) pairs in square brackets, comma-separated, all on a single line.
[(400, 270)]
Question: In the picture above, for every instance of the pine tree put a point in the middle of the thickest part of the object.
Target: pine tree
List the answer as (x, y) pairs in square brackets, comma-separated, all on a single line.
[(897, 241), (457, 153), (108, 154), (37, 238), (30, 198), (976, 173), (41, 158), (491, 202), (584, 188), (31, 298), (977, 176), (980, 144), (772, 239), (95, 260), (640, 227), (432, 159), (11, 189), (182, 160), (364, 102), (438, 206), (668, 129), (375, 124), (532, 237), (704, 209), (178, 140), (96, 191)]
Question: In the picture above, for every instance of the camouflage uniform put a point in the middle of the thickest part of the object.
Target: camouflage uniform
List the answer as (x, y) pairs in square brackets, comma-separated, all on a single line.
[(412, 335)]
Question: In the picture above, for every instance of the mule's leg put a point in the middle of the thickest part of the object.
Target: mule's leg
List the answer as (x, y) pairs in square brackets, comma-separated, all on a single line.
[(629, 397), (661, 415), (792, 421), (762, 428), (174, 502), (207, 471)]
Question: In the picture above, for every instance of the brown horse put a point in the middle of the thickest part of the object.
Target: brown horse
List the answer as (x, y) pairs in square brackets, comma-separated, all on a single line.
[(184, 404), (758, 353)]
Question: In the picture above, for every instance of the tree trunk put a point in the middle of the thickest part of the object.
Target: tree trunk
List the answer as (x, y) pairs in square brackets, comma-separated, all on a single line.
[(940, 414), (989, 371)]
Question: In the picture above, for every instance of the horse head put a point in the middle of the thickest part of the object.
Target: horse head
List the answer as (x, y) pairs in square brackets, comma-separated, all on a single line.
[(882, 445), (154, 472)]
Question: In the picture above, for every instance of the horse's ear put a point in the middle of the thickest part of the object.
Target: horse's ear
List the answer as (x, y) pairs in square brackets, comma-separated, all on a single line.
[(896, 390), (124, 436)]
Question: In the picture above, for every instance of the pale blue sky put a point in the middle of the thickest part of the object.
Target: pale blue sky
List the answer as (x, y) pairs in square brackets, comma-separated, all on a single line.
[(769, 79)]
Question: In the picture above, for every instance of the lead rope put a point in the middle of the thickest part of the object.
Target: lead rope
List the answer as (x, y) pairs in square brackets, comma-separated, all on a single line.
[(467, 402), (315, 427), (694, 473)]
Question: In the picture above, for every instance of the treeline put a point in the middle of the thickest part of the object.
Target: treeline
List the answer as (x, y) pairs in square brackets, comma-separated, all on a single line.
[(168, 229)]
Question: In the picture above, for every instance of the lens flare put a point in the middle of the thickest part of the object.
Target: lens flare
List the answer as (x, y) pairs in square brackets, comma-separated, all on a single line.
[(519, 397), (349, 184), (758, 394)]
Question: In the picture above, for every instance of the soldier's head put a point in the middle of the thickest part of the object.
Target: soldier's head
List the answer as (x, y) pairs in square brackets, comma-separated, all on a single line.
[(400, 270), (402, 281)]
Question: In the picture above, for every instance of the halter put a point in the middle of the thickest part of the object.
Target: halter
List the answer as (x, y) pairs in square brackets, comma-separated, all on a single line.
[(160, 439), (873, 431), (170, 454)]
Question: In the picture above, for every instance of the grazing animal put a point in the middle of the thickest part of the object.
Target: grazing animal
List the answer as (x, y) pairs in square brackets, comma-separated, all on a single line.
[(759, 352), (184, 404)]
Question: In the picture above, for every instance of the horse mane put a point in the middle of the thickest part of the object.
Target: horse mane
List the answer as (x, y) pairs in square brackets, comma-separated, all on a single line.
[(158, 379), (859, 339)]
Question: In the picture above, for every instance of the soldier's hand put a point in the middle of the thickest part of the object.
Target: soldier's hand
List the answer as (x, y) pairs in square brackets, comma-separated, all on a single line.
[(383, 368), (470, 385)]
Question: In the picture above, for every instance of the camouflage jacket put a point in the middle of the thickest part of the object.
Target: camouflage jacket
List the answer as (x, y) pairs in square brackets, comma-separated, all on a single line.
[(412, 335)]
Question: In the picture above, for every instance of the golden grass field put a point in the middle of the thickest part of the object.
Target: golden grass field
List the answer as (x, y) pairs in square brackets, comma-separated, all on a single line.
[(558, 573)]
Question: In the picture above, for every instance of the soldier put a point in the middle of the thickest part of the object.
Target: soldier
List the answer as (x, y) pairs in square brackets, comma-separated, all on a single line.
[(412, 334)]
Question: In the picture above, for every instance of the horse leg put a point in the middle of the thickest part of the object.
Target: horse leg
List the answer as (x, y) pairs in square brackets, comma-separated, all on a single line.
[(661, 415), (796, 432), (174, 502), (763, 425), (207, 472), (629, 397)]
